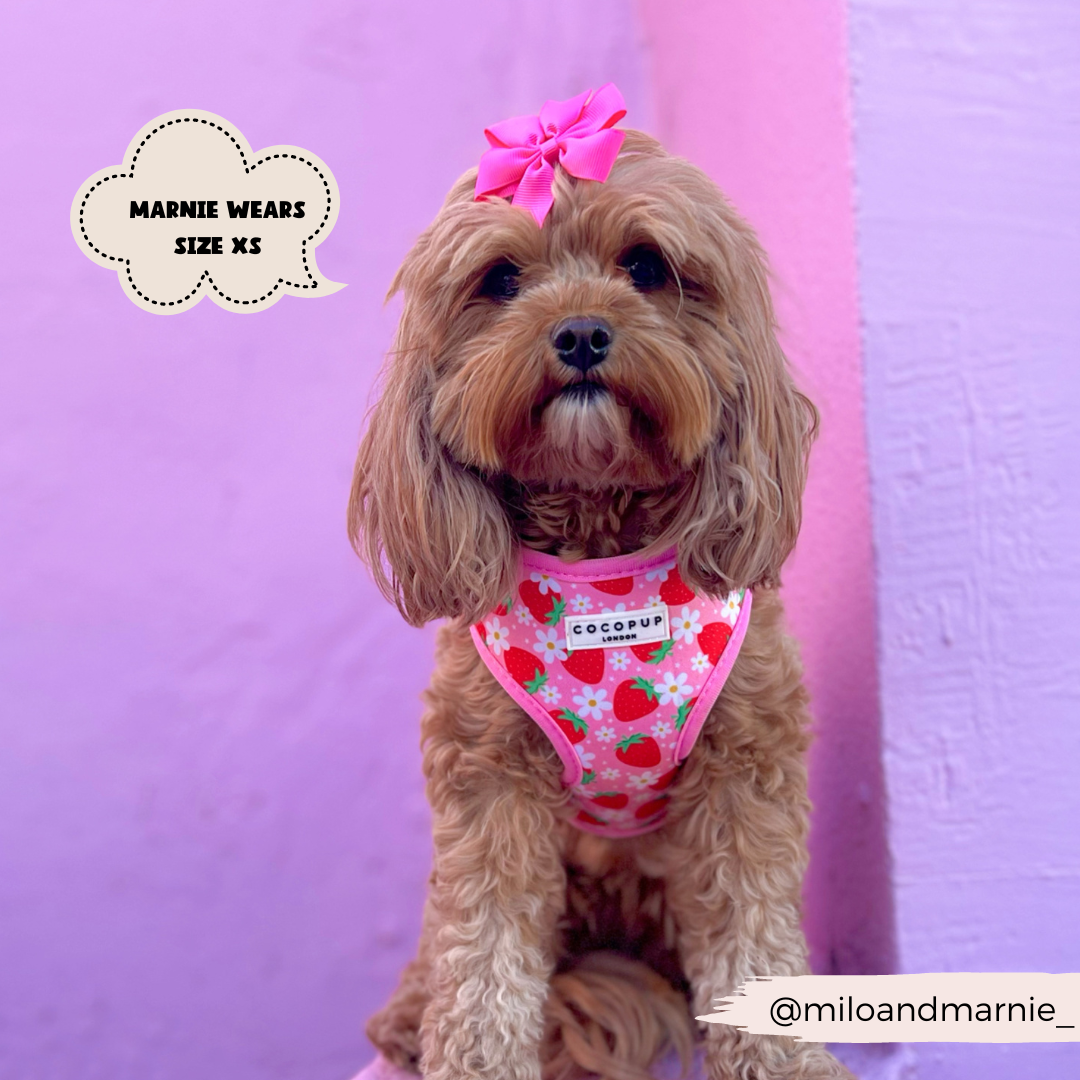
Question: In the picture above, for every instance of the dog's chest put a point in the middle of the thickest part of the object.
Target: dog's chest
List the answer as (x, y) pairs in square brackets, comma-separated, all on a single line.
[(618, 662)]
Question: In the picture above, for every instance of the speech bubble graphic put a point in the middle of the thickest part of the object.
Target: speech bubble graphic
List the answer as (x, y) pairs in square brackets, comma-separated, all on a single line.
[(194, 212)]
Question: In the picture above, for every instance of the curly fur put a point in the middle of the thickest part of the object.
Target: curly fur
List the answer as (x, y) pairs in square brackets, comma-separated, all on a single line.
[(546, 951)]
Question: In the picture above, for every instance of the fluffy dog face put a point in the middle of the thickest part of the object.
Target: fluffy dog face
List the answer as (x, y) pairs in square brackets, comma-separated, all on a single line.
[(626, 345), (590, 352)]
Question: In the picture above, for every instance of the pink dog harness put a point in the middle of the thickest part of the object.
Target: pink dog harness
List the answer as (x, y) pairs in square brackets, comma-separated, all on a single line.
[(619, 662)]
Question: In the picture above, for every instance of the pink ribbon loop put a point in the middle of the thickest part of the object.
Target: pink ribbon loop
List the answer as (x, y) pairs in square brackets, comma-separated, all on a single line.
[(577, 134)]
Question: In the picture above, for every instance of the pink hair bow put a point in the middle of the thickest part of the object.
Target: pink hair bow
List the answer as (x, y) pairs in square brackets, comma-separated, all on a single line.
[(576, 134)]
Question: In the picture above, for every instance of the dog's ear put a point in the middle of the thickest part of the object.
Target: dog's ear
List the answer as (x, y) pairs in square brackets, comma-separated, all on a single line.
[(436, 539), (745, 505)]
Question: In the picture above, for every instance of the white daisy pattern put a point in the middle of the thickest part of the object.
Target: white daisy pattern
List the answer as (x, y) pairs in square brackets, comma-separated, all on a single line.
[(592, 704), (686, 625), (729, 609), (672, 689), (546, 582), (623, 707), (550, 646), (498, 637)]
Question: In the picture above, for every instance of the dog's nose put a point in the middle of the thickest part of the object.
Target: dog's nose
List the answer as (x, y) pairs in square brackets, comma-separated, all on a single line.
[(582, 341)]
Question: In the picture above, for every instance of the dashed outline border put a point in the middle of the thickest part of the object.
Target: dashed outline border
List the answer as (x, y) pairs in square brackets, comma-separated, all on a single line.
[(126, 263)]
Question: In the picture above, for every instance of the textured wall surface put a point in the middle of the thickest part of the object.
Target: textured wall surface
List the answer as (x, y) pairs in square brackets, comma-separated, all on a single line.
[(213, 838), (756, 92), (968, 174)]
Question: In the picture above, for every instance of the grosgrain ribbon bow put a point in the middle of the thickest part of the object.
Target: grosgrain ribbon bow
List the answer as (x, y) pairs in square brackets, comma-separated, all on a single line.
[(576, 134)]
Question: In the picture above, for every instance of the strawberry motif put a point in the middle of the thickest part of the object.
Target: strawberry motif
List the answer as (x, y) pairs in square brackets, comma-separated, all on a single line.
[(665, 780), (615, 587), (653, 806), (638, 750), (713, 639), (675, 590), (587, 665), (525, 668), (584, 815), (634, 699), (547, 607), (613, 800), (572, 726), (504, 607), (653, 652), (682, 713)]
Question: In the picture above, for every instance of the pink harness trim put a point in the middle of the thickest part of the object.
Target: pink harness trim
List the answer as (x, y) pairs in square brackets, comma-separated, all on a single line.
[(617, 690)]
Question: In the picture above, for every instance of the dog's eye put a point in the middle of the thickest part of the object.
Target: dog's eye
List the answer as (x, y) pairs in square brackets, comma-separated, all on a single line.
[(501, 282), (645, 267)]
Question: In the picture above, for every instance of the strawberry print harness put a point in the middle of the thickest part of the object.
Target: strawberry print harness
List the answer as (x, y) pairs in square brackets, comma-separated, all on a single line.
[(619, 662)]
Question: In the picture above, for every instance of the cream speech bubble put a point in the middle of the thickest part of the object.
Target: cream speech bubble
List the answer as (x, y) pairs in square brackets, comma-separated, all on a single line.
[(194, 212)]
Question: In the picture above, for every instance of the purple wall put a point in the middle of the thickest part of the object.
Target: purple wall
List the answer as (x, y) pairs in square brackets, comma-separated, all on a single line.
[(213, 837), (968, 174)]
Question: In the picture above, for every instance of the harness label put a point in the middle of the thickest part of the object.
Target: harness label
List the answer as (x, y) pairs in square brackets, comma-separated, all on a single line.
[(612, 629)]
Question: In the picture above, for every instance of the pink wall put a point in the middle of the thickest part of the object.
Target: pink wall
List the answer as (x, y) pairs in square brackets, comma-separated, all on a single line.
[(756, 92)]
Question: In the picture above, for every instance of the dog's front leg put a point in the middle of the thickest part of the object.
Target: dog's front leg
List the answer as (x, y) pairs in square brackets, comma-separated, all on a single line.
[(498, 890), (733, 886)]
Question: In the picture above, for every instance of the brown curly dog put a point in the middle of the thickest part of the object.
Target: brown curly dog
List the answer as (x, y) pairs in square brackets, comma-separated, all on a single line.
[(545, 950)]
